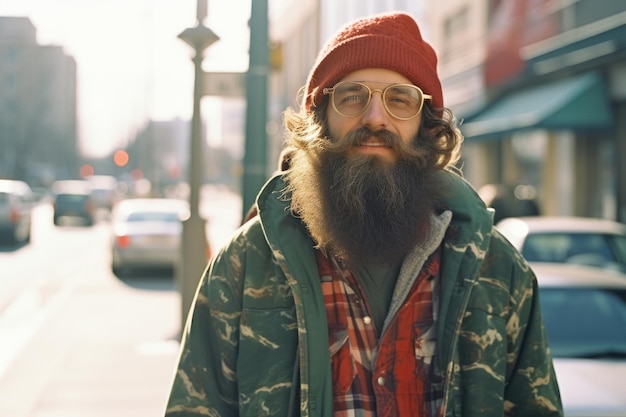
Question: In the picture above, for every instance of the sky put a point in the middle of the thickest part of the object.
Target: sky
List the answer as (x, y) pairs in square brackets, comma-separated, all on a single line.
[(131, 65)]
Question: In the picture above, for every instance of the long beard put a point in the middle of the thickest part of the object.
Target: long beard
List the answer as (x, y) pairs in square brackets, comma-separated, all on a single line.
[(363, 208)]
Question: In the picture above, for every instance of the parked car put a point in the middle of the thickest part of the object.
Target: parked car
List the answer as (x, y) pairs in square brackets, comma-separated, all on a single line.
[(73, 199), (16, 204), (577, 240), (103, 190), (147, 233), (584, 311)]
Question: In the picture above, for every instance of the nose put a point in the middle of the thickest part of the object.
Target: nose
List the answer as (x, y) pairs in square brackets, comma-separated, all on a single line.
[(375, 116)]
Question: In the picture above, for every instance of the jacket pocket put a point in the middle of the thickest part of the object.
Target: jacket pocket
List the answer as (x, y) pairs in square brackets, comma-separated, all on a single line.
[(268, 343), (344, 369), (424, 344)]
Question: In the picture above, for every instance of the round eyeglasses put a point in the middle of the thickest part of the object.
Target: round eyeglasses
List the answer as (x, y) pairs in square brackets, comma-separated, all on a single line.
[(402, 101)]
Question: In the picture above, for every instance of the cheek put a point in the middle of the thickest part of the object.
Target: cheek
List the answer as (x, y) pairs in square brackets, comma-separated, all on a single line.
[(409, 132), (338, 126), (334, 124), (409, 136)]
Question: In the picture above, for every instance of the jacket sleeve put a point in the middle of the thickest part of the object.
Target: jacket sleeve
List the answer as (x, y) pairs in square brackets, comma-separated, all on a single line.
[(504, 362), (531, 385), (204, 383)]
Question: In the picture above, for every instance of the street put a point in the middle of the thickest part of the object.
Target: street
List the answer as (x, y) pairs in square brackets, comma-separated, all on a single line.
[(75, 340)]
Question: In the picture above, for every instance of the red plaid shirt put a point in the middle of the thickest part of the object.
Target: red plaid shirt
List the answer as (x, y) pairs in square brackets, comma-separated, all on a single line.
[(402, 381)]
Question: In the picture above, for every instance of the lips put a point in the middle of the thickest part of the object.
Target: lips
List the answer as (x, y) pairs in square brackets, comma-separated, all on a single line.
[(364, 136)]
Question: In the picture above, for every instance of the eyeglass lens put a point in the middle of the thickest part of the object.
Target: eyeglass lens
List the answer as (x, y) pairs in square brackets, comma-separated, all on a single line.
[(402, 101)]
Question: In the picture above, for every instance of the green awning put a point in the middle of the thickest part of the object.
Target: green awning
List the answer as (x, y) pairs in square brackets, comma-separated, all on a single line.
[(579, 103)]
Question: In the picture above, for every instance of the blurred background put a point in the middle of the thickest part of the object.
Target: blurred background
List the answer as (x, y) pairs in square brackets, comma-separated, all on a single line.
[(182, 100)]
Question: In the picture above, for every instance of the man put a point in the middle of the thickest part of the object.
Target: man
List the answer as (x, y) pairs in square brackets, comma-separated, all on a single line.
[(371, 282)]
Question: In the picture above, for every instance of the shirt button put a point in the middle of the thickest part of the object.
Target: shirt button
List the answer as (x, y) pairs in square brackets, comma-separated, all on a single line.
[(367, 319), (380, 381)]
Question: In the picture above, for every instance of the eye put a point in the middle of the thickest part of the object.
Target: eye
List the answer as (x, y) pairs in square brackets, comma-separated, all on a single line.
[(352, 99), (398, 100), (351, 94), (402, 97)]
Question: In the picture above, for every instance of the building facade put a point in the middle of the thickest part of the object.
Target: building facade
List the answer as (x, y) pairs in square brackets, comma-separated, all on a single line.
[(38, 122), (540, 85)]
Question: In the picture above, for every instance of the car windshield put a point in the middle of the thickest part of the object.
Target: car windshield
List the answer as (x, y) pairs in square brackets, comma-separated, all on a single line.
[(145, 216), (71, 198), (594, 249), (584, 322)]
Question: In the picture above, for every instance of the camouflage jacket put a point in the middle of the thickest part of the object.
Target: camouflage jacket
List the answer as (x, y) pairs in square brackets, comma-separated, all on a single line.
[(256, 342)]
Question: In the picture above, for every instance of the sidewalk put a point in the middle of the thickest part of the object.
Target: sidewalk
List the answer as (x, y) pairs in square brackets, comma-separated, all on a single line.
[(86, 344), (105, 348)]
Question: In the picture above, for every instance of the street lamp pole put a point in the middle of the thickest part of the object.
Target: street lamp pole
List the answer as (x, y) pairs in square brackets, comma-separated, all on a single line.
[(255, 156), (194, 240)]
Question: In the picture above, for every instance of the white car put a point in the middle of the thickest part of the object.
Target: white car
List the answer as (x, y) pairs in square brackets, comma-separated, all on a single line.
[(584, 310), (576, 240), (104, 190), (147, 233), (16, 203)]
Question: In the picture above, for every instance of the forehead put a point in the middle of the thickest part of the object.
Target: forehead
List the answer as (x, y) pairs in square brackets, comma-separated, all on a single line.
[(377, 75)]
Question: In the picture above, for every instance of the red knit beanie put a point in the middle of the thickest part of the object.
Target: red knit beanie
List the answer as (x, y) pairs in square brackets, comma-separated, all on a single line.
[(391, 41)]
